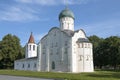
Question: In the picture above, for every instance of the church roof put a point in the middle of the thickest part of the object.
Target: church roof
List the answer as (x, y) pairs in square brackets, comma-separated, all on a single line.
[(69, 32), (83, 40), (66, 13), (31, 39), (25, 59)]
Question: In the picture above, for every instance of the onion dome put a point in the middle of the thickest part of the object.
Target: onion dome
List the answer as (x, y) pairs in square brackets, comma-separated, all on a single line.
[(66, 13)]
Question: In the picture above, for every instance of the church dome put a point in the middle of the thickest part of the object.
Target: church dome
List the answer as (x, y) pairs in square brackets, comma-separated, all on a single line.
[(66, 13)]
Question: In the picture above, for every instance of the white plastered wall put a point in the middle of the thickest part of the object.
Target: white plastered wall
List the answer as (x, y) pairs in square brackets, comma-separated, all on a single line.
[(18, 64), (30, 52), (67, 23), (77, 64), (53, 47)]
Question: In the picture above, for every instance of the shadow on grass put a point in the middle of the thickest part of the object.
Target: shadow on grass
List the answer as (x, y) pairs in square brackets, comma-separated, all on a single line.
[(115, 75)]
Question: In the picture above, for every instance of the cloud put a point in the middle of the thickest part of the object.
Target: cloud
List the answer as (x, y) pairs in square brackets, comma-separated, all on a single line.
[(54, 2), (15, 13), (18, 12), (73, 2), (41, 2), (29, 10), (103, 28)]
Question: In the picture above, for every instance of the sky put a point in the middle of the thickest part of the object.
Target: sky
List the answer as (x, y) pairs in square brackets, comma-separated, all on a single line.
[(21, 17)]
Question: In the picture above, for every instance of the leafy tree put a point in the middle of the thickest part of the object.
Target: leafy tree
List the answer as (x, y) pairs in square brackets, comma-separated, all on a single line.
[(96, 41), (106, 51), (113, 50), (10, 50)]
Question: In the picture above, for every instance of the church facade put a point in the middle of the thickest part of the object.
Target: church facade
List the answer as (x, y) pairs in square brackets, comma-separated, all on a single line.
[(63, 49)]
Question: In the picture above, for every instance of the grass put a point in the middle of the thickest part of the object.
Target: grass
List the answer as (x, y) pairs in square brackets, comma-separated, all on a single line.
[(97, 75)]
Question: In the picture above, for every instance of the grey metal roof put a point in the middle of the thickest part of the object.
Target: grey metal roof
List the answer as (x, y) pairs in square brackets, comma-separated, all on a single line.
[(83, 40), (69, 32), (27, 59)]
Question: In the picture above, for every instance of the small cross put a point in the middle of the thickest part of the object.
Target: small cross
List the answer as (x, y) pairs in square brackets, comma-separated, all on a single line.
[(66, 3)]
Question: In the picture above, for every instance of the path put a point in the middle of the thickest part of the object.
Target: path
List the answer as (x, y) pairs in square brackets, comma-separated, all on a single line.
[(6, 77)]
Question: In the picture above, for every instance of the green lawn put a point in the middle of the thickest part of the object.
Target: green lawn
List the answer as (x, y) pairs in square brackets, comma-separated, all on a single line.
[(97, 75)]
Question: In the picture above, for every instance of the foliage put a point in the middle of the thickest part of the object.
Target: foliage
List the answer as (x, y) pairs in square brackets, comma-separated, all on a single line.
[(106, 51), (10, 50), (96, 41), (97, 75)]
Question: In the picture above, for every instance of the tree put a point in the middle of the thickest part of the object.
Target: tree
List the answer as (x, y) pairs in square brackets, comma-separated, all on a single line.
[(10, 50), (96, 41), (114, 54), (106, 51)]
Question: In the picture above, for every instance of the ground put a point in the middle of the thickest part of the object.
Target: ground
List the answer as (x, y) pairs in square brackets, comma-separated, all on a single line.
[(6, 77), (97, 75)]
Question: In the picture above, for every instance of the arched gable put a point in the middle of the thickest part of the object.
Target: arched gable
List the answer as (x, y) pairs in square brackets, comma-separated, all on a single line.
[(80, 33), (52, 29)]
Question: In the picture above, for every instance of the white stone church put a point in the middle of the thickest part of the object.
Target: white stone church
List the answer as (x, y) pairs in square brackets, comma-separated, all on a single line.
[(63, 49)]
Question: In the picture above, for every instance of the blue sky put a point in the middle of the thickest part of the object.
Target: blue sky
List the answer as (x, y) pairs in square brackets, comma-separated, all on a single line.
[(21, 17)]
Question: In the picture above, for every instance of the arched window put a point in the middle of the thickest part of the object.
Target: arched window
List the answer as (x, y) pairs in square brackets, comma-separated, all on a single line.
[(30, 47), (53, 65), (23, 66), (81, 57), (35, 65), (28, 65), (87, 57), (33, 47)]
